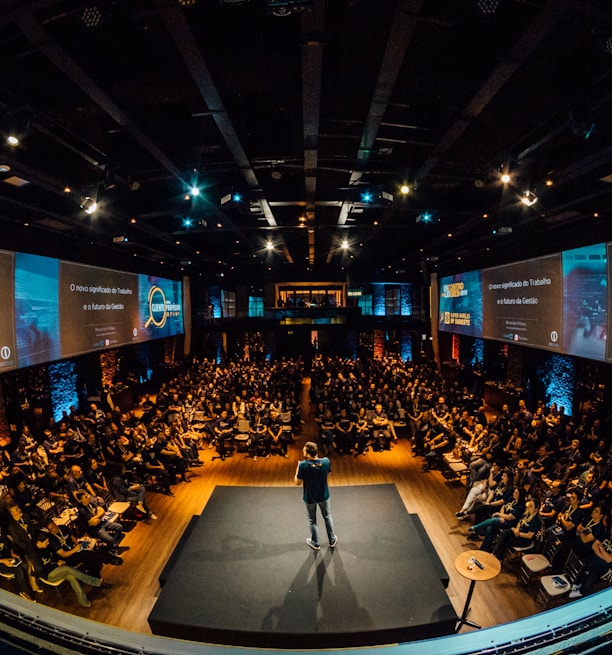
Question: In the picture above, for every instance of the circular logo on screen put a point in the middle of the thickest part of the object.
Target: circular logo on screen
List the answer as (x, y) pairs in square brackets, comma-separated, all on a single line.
[(5, 352), (157, 308), (554, 336)]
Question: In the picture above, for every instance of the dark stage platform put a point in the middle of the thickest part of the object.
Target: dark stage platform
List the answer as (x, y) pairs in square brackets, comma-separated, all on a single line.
[(244, 575)]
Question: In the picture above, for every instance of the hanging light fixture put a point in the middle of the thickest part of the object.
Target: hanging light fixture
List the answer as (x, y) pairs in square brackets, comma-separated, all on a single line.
[(529, 198), (89, 205)]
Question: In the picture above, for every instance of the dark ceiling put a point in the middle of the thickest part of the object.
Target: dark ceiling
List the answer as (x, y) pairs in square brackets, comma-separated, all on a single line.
[(300, 108)]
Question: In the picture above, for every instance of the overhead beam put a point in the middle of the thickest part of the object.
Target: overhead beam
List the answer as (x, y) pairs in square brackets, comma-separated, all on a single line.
[(185, 42), (400, 37), (535, 33), (312, 26)]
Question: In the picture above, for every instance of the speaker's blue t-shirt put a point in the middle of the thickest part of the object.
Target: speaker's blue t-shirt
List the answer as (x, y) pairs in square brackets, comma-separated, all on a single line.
[(313, 473)]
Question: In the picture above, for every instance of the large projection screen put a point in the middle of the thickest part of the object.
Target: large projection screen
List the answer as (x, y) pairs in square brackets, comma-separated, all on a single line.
[(461, 304), (98, 308), (53, 309), (585, 302), (558, 302), (160, 306), (37, 317), (523, 302), (8, 346)]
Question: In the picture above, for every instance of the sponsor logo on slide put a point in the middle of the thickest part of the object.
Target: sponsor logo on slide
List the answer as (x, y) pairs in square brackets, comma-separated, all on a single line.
[(157, 308)]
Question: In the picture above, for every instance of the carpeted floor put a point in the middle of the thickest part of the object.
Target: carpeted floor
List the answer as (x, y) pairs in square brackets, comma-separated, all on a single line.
[(245, 575)]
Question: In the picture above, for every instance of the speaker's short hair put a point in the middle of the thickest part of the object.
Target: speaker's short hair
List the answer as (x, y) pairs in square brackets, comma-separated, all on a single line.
[(311, 448)]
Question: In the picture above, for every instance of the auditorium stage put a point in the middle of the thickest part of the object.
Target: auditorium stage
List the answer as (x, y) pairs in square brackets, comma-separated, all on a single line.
[(243, 574)]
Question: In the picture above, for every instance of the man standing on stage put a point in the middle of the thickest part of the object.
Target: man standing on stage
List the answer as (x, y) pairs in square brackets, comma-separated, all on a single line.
[(312, 472)]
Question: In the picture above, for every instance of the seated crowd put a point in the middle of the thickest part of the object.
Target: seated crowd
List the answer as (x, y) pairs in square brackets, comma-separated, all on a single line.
[(532, 475), (57, 488)]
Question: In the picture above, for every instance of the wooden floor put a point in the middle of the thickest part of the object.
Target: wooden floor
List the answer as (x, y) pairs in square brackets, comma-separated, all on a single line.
[(135, 583)]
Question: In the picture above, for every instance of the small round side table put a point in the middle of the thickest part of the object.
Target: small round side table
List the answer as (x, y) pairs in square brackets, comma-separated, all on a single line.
[(469, 569)]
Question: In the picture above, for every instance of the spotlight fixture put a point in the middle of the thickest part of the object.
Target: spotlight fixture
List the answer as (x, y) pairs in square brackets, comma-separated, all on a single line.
[(529, 198), (424, 217), (345, 244), (194, 191), (605, 41), (89, 205), (91, 17), (404, 189), (487, 7), (269, 245), (234, 197), (19, 121), (505, 178)]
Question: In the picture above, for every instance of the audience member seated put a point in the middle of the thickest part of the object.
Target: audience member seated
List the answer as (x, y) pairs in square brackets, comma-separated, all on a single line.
[(507, 517), (12, 566), (153, 467), (345, 439), (328, 431), (381, 432), (598, 563), (56, 570), (21, 533), (96, 477), (77, 481), (171, 457), (126, 488), (523, 533), (94, 520), (277, 436), (591, 528), (442, 442), (477, 493), (223, 430), (78, 553), (499, 493), (362, 432), (260, 440), (554, 501)]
